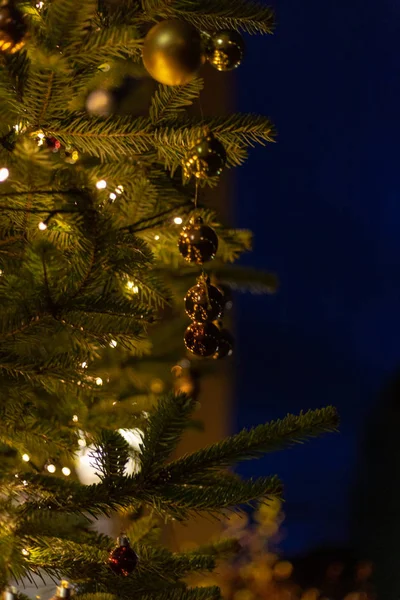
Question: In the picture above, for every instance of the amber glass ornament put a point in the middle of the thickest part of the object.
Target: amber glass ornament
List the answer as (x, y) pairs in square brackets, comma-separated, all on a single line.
[(225, 344), (202, 339), (123, 559), (206, 159), (204, 302), (173, 52), (198, 243), (12, 27), (225, 50)]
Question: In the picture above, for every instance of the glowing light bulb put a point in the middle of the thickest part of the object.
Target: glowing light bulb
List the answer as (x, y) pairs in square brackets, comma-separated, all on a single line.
[(135, 289), (178, 220), (75, 418), (84, 365), (130, 285), (26, 457), (42, 226), (101, 184), (113, 344), (51, 468), (156, 237), (25, 552), (119, 189), (99, 381), (82, 442), (4, 173), (112, 196), (66, 471)]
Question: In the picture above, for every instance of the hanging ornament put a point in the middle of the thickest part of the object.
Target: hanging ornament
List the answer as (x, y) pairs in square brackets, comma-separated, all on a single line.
[(12, 27), (123, 559), (206, 159), (202, 339), (225, 344), (51, 143), (198, 243), (10, 593), (172, 52), (63, 591), (204, 302), (225, 50)]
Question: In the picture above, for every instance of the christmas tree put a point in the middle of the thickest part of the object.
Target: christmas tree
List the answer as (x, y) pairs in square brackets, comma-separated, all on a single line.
[(89, 266)]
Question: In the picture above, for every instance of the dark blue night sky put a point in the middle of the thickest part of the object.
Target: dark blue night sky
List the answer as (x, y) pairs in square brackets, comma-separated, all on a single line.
[(324, 203)]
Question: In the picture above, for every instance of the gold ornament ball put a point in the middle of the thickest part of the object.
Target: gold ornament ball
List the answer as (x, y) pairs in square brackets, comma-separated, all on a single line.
[(173, 52), (13, 28)]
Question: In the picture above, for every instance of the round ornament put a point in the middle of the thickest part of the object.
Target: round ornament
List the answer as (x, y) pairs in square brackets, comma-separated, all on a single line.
[(225, 50), (204, 302), (225, 345), (52, 144), (123, 559), (202, 339), (206, 159), (100, 103), (172, 52), (198, 243), (12, 27)]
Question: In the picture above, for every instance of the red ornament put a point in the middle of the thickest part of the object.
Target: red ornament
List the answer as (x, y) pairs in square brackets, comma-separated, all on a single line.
[(123, 559)]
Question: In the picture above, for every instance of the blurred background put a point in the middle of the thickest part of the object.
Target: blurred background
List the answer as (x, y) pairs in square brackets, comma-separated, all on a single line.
[(323, 204)]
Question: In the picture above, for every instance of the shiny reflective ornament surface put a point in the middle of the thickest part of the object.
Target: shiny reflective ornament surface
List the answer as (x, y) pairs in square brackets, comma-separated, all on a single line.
[(100, 103), (204, 302), (12, 27), (172, 52), (123, 560), (202, 339), (206, 159), (198, 243), (225, 345), (52, 144), (225, 50)]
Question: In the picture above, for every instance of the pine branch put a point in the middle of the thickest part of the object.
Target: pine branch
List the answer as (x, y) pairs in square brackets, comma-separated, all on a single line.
[(253, 443), (168, 101), (110, 454)]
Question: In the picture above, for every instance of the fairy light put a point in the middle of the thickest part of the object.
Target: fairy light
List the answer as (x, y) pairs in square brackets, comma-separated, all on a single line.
[(66, 471), (75, 418), (101, 184), (99, 381), (25, 552), (135, 289), (1, 272), (112, 196), (119, 189), (156, 237), (178, 220), (42, 226), (51, 468), (84, 365), (113, 344), (39, 5), (82, 442), (4, 173), (26, 457)]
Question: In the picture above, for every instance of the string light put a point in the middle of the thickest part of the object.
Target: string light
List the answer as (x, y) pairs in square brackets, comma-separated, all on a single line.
[(113, 196), (135, 289), (178, 220), (156, 237), (82, 442), (75, 418), (113, 344), (25, 552), (39, 5), (1, 272), (66, 471), (119, 189), (130, 285), (101, 184), (42, 226), (4, 173), (99, 381), (26, 457), (84, 365), (51, 468)]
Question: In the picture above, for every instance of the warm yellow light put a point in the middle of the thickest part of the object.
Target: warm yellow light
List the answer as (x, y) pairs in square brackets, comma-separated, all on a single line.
[(99, 381), (26, 457), (113, 196), (4, 173), (51, 468), (42, 226), (156, 237), (101, 184), (75, 418), (130, 285), (135, 289), (113, 344), (178, 220), (82, 442), (25, 552), (65, 471), (84, 364), (119, 189)]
